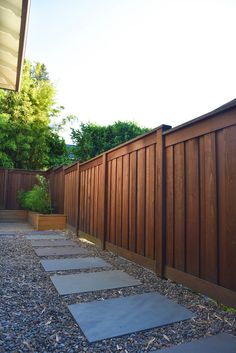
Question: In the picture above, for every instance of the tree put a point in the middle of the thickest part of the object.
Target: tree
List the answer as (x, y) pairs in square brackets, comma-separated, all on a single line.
[(26, 138), (91, 139)]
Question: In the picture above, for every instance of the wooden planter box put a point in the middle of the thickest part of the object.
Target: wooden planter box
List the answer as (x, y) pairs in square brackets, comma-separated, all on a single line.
[(47, 221)]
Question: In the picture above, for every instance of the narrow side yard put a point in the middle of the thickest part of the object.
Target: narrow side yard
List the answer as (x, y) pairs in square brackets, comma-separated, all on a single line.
[(34, 318)]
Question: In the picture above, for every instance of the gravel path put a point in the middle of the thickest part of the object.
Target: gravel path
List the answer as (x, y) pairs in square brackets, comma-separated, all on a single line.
[(34, 318)]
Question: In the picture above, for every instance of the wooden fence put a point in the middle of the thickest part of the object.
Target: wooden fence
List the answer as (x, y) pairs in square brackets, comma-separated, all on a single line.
[(166, 200), (12, 180)]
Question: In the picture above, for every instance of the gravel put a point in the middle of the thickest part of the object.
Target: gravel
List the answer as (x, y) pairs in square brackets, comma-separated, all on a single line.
[(34, 318)]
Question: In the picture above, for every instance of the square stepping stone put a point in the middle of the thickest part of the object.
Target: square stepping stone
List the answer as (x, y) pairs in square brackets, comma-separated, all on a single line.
[(89, 282), (73, 264), (116, 317), (44, 237), (52, 242), (60, 251), (222, 343)]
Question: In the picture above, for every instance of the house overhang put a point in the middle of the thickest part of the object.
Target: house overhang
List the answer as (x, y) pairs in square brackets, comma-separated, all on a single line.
[(13, 28)]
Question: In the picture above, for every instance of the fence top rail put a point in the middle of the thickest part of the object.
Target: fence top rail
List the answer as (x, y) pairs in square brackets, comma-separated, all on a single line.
[(70, 168), (223, 108), (164, 127)]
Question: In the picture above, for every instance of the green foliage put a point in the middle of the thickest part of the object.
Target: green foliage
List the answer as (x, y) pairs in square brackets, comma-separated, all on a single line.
[(27, 139), (37, 199), (92, 139)]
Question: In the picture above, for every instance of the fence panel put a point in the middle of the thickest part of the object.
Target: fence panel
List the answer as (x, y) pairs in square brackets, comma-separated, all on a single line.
[(18, 180), (91, 198), (70, 205), (201, 203), (132, 196), (56, 179), (2, 189)]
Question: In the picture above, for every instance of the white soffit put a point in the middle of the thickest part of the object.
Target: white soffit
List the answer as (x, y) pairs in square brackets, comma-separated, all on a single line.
[(13, 26)]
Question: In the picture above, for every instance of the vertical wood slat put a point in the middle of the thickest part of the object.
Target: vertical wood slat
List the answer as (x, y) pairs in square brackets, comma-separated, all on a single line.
[(108, 203), (95, 211), (141, 202), (226, 147), (179, 206), (209, 240), (119, 202), (91, 223), (133, 201), (77, 204), (192, 207), (160, 205), (170, 206), (5, 188), (103, 189), (113, 202), (125, 203), (150, 203)]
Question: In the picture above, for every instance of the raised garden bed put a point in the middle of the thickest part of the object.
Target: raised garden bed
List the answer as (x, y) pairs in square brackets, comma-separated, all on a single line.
[(47, 221)]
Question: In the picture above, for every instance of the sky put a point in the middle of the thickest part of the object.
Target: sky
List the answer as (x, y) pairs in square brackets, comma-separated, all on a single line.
[(150, 61)]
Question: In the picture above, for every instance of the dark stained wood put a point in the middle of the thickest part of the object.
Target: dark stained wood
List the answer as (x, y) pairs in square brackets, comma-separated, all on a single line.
[(91, 163), (108, 227), (141, 195), (138, 144), (77, 200), (201, 128), (226, 153), (192, 207), (179, 207), (133, 201), (150, 203), (202, 205), (113, 201), (85, 200), (91, 218), (221, 294), (160, 204), (141, 260), (95, 211), (5, 189), (209, 241), (103, 190), (170, 206), (119, 201), (125, 203), (81, 213)]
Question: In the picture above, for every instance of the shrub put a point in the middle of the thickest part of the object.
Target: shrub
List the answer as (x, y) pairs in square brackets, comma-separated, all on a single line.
[(37, 199)]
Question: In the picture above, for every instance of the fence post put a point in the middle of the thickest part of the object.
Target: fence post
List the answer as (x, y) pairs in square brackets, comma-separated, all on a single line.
[(5, 189), (160, 197), (77, 199), (104, 201)]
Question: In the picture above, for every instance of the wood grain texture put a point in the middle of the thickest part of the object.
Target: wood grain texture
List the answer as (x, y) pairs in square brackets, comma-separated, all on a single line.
[(141, 201), (179, 206), (192, 207)]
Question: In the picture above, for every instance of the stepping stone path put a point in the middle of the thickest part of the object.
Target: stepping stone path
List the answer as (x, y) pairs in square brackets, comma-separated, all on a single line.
[(41, 236), (52, 242), (90, 282), (115, 317), (119, 316), (60, 251), (73, 264), (221, 343)]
